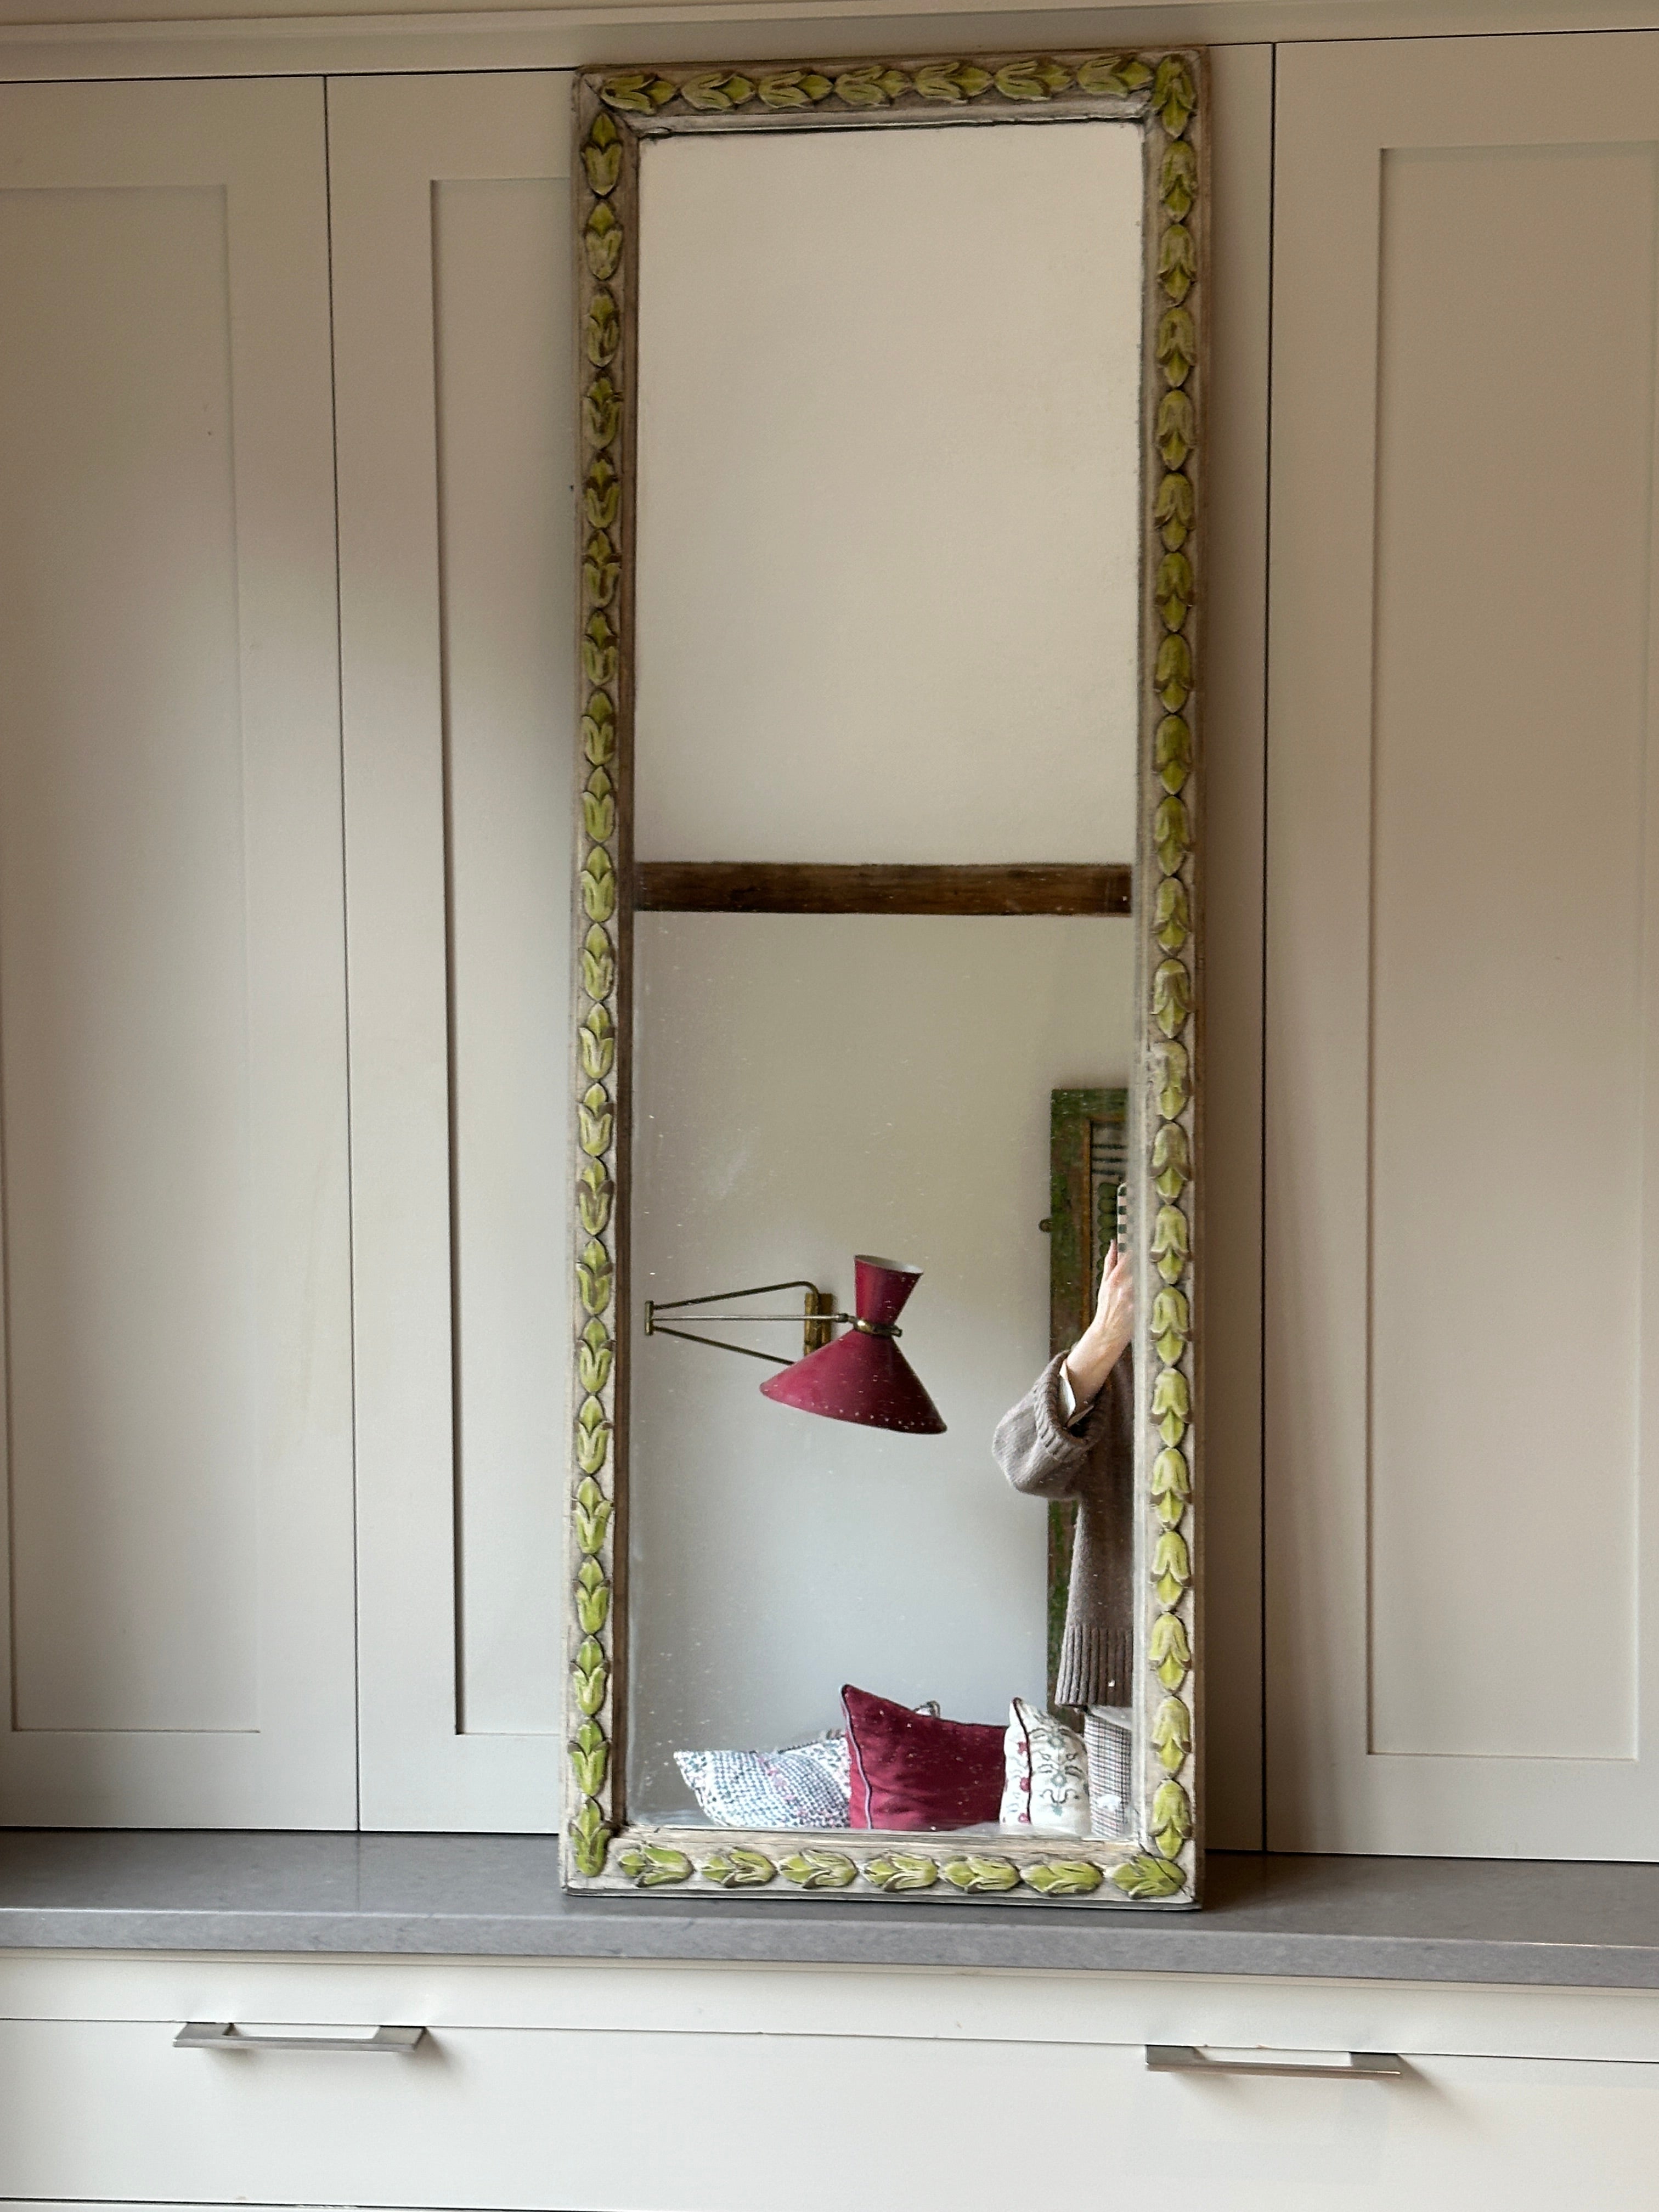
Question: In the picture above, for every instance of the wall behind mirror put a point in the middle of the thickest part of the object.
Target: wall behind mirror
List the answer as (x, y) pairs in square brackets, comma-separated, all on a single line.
[(886, 611)]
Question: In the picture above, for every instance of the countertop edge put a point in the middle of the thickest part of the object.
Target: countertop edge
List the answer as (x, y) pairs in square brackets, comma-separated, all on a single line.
[(496, 1898), (1183, 1949)]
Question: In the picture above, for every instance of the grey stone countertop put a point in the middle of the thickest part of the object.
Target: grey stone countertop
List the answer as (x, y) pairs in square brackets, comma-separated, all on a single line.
[(1425, 1920)]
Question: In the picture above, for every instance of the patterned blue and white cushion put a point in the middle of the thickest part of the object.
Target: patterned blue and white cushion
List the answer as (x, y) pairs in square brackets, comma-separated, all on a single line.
[(804, 1785)]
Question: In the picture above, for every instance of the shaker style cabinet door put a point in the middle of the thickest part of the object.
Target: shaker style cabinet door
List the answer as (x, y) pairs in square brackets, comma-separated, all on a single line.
[(178, 1399), (452, 312), (1462, 1530)]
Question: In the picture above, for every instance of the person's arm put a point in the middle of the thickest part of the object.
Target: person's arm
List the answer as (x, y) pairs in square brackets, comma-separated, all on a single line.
[(1044, 1443), (1105, 1340), (1035, 1446)]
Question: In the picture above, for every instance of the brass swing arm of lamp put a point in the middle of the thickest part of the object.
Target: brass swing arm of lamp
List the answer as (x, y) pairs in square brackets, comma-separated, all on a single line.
[(818, 1319), (862, 1376)]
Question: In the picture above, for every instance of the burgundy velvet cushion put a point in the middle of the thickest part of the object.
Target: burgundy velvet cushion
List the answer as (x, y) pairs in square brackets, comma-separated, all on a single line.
[(910, 1771)]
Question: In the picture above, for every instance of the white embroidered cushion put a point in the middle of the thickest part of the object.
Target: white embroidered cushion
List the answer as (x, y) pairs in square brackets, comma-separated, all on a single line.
[(1045, 1773)]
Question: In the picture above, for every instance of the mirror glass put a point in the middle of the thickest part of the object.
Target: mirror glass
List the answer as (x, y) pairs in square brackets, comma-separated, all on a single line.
[(886, 623)]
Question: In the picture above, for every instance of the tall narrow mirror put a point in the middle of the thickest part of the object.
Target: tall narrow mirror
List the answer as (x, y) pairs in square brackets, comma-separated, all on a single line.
[(882, 1578)]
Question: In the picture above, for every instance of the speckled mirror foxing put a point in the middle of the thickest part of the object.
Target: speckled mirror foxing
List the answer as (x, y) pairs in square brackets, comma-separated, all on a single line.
[(886, 1003)]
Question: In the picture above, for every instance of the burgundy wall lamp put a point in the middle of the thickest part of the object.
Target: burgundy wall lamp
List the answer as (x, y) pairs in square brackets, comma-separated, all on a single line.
[(862, 1376)]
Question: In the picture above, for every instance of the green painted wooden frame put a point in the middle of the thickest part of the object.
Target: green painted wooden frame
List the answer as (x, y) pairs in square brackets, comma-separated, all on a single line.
[(1163, 92)]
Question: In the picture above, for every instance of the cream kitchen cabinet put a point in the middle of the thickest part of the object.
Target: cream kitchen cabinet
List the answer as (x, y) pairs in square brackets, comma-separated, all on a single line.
[(1460, 1102), (283, 766), (708, 2089), (452, 335), (172, 967)]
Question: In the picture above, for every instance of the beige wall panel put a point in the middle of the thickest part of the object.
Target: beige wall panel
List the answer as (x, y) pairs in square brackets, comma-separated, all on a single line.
[(171, 982), (123, 920), (502, 324), (1460, 1595), (451, 318), (1507, 943), (1235, 667)]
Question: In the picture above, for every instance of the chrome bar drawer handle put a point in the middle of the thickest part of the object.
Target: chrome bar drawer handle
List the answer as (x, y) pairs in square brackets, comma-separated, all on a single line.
[(225, 2035), (1362, 2065)]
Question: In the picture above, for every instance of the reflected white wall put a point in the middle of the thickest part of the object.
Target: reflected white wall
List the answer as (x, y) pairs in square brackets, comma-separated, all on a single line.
[(809, 1087), (887, 592)]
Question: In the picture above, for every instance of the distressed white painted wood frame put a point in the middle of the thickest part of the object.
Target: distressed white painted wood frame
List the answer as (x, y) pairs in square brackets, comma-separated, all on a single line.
[(1163, 92)]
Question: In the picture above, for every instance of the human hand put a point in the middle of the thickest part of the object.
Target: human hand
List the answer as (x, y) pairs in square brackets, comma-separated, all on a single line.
[(1108, 1336)]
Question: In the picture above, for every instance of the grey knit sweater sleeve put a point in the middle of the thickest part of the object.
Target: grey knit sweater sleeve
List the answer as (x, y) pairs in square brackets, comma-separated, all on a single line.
[(1035, 1449), (1092, 1462)]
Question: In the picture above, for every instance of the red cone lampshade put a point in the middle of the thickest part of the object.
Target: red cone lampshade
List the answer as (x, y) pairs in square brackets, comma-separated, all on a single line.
[(863, 1376)]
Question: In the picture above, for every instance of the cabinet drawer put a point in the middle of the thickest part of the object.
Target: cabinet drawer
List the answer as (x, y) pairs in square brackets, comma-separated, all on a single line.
[(641, 2121)]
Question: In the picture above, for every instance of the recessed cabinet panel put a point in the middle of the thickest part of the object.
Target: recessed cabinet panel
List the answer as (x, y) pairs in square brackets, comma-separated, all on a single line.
[(1461, 1116), (172, 1006), (124, 971), (1510, 912)]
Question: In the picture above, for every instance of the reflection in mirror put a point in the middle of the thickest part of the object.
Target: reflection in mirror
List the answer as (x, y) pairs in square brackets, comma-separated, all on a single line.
[(887, 603), (887, 620), (785, 1121)]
